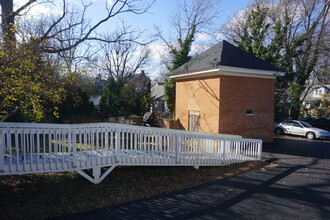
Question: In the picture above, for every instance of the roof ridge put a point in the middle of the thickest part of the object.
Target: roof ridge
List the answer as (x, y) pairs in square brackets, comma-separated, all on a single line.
[(225, 54)]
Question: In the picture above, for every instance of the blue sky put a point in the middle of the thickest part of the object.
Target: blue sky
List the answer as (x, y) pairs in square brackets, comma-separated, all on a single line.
[(160, 12), (162, 9)]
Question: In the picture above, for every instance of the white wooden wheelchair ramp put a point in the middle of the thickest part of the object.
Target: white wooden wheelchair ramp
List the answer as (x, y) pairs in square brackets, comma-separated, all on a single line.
[(39, 148)]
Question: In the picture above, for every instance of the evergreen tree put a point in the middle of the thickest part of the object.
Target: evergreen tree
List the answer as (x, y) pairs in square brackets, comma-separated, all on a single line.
[(110, 102), (120, 98), (144, 99), (191, 17), (180, 57), (289, 42)]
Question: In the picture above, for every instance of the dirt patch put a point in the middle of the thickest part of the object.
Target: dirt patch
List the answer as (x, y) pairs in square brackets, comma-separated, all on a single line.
[(39, 196)]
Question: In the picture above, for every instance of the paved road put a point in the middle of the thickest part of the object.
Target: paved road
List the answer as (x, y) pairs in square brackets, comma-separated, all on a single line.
[(297, 188)]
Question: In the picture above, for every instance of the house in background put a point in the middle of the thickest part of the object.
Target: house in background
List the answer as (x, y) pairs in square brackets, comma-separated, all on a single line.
[(139, 81), (158, 98), (314, 96), (317, 92), (227, 90), (96, 99)]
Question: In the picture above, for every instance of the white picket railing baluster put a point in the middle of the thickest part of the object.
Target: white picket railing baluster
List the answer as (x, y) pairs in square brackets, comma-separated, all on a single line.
[(35, 148), (2, 151)]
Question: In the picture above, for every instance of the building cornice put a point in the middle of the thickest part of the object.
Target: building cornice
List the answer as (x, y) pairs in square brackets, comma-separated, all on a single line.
[(229, 71)]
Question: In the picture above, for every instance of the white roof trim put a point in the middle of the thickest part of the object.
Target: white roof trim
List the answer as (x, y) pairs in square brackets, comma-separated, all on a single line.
[(250, 71), (231, 71), (203, 73)]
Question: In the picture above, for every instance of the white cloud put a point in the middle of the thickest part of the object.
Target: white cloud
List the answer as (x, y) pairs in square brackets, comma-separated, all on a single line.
[(203, 37), (36, 10), (110, 2), (157, 51), (155, 68), (219, 36), (199, 48), (206, 39), (278, 10)]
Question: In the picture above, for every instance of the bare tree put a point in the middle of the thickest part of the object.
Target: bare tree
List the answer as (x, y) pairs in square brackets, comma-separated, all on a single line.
[(324, 62), (123, 59), (291, 34), (190, 18), (75, 59), (49, 38), (31, 46)]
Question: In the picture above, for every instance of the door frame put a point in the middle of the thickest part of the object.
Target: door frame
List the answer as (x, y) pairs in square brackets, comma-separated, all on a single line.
[(196, 124)]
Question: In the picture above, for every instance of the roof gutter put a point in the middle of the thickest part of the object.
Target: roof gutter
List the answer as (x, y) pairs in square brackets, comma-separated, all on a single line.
[(232, 71), (202, 72)]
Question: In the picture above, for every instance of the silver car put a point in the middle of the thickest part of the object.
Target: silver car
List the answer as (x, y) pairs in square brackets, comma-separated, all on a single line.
[(301, 128)]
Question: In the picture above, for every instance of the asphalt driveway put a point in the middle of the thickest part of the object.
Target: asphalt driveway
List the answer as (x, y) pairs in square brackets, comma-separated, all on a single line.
[(297, 186)]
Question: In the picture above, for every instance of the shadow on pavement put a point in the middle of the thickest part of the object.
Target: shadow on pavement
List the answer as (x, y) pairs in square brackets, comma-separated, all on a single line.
[(253, 195), (305, 148)]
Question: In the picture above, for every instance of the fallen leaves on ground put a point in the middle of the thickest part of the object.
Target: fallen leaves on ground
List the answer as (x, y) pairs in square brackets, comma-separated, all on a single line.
[(37, 196)]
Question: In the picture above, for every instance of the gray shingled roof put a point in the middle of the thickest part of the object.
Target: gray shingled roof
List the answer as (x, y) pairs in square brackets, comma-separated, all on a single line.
[(157, 92), (225, 54)]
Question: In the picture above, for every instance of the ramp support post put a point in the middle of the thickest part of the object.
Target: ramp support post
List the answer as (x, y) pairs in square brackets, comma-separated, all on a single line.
[(97, 175)]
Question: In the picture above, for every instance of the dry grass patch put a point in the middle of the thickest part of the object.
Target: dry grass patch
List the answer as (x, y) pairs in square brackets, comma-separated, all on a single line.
[(38, 196)]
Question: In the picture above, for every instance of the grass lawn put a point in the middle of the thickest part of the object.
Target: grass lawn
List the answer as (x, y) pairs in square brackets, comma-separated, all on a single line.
[(39, 196)]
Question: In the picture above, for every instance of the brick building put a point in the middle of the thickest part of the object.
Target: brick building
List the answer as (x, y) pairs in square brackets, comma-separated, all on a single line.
[(227, 90)]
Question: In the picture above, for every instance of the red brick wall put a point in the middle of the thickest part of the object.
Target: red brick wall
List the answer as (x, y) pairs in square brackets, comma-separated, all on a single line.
[(223, 101), (200, 94), (238, 94)]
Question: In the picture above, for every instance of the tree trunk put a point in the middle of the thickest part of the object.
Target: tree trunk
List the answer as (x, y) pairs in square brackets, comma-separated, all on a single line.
[(295, 104), (8, 24)]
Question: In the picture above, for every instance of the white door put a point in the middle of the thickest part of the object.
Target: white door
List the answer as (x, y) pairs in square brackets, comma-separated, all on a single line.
[(194, 121)]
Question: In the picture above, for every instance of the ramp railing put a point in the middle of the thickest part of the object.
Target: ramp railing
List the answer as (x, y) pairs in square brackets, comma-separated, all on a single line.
[(38, 148)]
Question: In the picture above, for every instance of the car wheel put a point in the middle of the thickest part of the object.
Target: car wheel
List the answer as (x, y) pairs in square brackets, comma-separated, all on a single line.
[(310, 136), (278, 131)]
